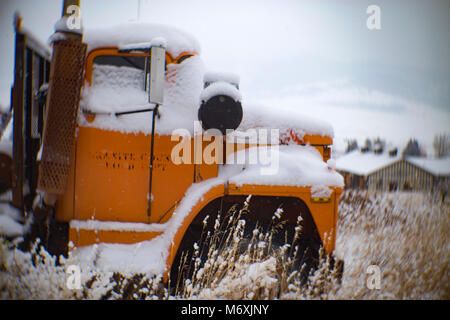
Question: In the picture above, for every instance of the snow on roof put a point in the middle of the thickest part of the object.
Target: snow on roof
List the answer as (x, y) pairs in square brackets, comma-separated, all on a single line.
[(156, 42), (437, 167), (364, 163), (177, 40)]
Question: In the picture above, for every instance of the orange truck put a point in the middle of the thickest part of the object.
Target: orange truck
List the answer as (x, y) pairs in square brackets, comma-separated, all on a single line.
[(134, 143)]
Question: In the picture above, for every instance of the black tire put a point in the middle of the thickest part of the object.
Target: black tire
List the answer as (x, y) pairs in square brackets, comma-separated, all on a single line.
[(53, 236)]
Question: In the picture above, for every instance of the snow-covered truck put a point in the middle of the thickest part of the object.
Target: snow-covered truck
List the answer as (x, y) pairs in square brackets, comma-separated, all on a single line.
[(140, 148)]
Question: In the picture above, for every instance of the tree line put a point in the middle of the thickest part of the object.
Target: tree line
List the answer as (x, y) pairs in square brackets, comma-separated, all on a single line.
[(441, 147)]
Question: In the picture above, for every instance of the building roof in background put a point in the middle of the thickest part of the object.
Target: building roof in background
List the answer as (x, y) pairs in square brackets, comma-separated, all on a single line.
[(437, 167), (365, 164)]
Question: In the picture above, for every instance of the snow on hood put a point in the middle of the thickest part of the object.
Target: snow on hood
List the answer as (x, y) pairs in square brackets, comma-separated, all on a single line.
[(285, 119), (292, 165), (177, 40)]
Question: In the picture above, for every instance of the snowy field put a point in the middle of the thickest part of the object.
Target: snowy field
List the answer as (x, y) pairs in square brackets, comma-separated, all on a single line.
[(402, 235)]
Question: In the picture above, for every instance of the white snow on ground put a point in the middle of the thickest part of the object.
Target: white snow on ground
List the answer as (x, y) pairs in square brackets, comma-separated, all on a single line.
[(404, 234), (143, 257)]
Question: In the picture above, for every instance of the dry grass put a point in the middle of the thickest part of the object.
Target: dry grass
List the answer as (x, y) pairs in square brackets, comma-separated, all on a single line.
[(404, 234), (238, 266)]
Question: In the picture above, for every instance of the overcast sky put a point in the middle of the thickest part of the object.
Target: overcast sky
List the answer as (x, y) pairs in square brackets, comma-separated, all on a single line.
[(315, 55)]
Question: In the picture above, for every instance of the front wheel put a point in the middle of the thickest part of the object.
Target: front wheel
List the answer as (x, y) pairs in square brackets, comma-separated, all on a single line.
[(248, 230)]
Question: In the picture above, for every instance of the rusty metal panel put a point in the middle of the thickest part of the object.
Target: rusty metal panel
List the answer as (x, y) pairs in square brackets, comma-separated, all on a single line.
[(17, 102), (66, 74)]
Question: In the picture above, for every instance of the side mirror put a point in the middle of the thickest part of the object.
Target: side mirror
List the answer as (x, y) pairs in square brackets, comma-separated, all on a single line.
[(157, 73), (155, 70)]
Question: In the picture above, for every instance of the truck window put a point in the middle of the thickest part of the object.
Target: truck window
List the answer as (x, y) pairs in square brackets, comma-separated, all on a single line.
[(119, 72), (118, 84)]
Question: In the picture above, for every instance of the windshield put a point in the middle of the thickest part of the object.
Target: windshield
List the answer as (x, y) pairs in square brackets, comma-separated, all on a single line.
[(119, 72), (118, 84)]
